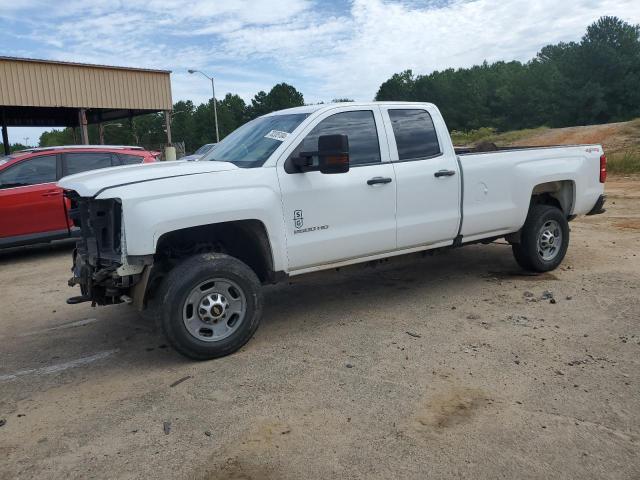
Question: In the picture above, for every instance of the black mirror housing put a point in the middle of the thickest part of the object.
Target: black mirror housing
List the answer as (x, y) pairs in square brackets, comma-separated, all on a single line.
[(333, 153)]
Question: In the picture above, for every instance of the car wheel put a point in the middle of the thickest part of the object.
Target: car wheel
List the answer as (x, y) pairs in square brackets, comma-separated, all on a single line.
[(211, 305), (544, 239)]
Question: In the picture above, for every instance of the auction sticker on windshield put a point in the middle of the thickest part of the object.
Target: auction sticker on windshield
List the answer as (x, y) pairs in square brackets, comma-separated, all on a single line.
[(277, 135)]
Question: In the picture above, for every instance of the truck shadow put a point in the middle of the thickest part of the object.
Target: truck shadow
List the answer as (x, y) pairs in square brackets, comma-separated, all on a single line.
[(336, 295)]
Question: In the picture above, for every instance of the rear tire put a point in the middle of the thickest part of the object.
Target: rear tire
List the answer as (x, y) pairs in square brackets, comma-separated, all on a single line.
[(211, 305), (544, 239)]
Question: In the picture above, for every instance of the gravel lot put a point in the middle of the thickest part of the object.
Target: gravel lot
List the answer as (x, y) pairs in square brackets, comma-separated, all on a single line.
[(451, 366)]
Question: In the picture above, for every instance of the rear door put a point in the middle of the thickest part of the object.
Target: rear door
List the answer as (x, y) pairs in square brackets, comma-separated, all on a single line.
[(426, 169), (30, 201), (335, 217)]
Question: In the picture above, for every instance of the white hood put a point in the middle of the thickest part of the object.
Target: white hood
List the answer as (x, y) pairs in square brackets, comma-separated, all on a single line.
[(89, 183)]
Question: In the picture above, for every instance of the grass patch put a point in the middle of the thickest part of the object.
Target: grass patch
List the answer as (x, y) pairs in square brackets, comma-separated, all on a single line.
[(626, 162)]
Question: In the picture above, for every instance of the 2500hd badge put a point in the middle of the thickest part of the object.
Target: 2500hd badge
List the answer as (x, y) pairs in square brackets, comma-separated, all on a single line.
[(298, 222)]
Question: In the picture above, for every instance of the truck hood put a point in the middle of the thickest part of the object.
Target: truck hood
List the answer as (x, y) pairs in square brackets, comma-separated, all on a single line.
[(91, 183)]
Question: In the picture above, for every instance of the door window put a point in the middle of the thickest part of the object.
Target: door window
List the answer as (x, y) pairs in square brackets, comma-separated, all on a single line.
[(415, 134), (83, 161), (359, 126), (130, 159), (30, 172)]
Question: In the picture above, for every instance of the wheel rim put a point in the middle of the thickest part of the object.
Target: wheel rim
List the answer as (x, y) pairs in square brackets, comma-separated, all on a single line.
[(549, 240), (214, 309)]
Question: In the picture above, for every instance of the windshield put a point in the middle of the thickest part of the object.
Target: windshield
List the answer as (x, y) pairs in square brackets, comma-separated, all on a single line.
[(204, 149), (252, 144)]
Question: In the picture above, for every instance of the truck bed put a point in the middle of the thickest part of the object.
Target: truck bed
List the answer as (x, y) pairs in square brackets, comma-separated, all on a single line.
[(487, 147)]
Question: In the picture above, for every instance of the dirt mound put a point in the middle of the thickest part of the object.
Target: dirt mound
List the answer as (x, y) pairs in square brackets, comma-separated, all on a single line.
[(615, 137)]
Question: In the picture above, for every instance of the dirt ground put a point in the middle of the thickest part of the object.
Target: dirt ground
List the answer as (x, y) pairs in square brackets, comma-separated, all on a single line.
[(448, 366)]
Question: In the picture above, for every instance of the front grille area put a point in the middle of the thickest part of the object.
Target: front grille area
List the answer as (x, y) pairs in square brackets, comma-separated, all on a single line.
[(100, 223)]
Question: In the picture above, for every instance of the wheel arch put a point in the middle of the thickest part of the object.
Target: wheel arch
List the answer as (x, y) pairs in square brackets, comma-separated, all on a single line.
[(559, 193), (247, 240)]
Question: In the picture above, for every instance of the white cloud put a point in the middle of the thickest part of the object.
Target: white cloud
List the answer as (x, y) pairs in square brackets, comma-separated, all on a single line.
[(352, 56), (325, 50)]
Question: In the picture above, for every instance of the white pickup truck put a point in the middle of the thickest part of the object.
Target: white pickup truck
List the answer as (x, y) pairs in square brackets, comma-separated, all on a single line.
[(307, 189)]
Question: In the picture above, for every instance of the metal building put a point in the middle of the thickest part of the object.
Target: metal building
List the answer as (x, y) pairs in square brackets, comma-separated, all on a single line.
[(43, 93)]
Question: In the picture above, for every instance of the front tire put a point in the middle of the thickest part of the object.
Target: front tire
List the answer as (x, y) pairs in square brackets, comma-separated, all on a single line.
[(211, 306), (544, 239)]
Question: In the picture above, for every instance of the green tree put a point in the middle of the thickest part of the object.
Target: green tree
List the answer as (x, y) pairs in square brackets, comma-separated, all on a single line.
[(279, 97), (592, 81)]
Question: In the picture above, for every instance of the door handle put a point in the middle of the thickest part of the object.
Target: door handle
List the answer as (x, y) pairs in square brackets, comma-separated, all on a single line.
[(444, 173), (376, 180)]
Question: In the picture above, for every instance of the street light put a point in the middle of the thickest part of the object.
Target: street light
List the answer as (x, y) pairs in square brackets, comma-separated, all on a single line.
[(213, 91)]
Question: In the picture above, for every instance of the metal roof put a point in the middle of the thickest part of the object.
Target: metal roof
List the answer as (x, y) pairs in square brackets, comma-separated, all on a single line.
[(45, 83)]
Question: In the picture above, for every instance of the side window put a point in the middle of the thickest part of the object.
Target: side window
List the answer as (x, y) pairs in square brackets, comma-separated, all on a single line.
[(415, 134), (30, 172), (359, 126), (130, 159), (83, 161)]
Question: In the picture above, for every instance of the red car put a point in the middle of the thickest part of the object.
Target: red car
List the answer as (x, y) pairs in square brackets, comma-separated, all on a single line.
[(32, 207)]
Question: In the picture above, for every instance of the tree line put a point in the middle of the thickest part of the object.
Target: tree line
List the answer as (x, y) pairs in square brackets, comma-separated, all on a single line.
[(595, 80), (192, 124)]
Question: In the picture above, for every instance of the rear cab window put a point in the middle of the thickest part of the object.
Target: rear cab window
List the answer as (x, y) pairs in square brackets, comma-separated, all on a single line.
[(415, 134)]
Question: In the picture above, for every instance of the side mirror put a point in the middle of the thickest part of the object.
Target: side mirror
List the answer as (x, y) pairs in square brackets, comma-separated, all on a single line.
[(333, 156), (333, 153)]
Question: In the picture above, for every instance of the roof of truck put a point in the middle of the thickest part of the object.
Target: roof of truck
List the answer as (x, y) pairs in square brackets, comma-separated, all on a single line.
[(320, 106)]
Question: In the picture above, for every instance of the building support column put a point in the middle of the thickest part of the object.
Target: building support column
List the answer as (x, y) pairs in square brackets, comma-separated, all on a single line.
[(5, 135), (169, 150), (82, 122)]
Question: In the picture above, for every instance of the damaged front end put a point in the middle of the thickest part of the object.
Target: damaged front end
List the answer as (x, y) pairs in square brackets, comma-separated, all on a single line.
[(99, 266)]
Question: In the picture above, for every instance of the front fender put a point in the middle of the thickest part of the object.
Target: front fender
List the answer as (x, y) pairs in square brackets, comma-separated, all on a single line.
[(152, 209)]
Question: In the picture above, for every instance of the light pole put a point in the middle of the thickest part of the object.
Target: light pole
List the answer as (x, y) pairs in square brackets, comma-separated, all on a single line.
[(213, 91)]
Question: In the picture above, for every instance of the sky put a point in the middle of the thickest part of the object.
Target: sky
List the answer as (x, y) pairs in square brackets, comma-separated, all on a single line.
[(326, 49)]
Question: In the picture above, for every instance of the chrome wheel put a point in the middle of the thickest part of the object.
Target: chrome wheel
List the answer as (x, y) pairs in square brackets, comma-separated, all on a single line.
[(549, 240), (214, 309)]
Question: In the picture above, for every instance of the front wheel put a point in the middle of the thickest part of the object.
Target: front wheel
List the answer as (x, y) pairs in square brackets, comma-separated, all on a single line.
[(544, 239), (211, 306)]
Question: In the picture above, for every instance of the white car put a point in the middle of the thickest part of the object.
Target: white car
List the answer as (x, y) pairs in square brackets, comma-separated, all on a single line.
[(307, 189), (199, 153)]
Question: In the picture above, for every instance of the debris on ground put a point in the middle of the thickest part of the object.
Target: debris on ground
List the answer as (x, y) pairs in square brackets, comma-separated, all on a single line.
[(166, 427), (412, 334), (518, 320), (178, 382), (547, 295)]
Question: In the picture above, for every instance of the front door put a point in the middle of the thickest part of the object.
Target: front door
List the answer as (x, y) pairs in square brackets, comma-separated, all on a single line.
[(335, 217), (30, 200)]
